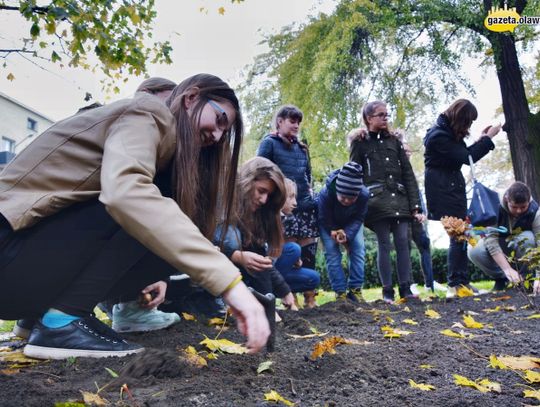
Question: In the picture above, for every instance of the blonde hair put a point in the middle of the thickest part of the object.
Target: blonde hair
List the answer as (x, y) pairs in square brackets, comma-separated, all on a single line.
[(290, 187)]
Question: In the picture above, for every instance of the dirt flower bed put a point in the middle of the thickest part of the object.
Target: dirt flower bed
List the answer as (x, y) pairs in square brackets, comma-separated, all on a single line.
[(370, 355)]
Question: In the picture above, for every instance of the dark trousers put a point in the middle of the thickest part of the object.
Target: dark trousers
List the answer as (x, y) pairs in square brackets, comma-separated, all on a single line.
[(71, 261), (457, 263), (423, 244)]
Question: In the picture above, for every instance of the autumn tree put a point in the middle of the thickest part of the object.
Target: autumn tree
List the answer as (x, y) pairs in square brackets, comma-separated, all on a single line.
[(406, 52)]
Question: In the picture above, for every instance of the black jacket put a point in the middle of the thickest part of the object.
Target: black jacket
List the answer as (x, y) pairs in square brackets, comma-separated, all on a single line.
[(389, 177), (443, 159)]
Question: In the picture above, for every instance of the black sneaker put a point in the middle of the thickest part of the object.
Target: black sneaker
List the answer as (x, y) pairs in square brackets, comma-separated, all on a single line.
[(388, 295), (85, 337), (500, 284), (405, 291), (23, 327)]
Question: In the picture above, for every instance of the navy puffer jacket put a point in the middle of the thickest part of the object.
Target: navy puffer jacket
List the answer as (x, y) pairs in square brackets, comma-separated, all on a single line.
[(443, 157), (293, 161)]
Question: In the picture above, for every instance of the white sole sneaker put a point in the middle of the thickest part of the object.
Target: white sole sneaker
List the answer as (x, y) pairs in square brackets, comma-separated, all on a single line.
[(41, 352), (144, 327)]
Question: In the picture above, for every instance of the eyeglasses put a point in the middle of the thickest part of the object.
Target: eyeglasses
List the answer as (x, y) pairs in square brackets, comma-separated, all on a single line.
[(222, 120), (381, 115)]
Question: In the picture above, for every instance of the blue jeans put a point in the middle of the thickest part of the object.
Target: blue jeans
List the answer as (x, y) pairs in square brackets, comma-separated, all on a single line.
[(480, 256), (299, 279), (333, 256)]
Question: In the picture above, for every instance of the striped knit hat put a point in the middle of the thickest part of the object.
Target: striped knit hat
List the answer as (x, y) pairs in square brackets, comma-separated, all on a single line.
[(349, 179)]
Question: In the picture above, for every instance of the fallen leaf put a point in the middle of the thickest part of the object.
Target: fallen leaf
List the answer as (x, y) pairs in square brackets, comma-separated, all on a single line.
[(531, 376), (449, 332), (389, 320), (511, 308), (483, 385), (489, 310), (9, 372), (188, 317), (496, 363), (211, 356), (471, 323), (520, 362), (410, 321), (502, 298), (93, 399), (533, 394), (223, 345), (17, 359), (327, 346), (193, 357), (463, 291), (391, 332), (533, 316), (216, 321), (430, 313), (264, 366), (276, 397), (471, 313), (308, 336), (477, 299), (426, 367), (407, 309), (421, 386), (402, 300)]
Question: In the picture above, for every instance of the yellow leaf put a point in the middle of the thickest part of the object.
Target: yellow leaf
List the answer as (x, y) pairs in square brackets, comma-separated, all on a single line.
[(394, 332), (533, 316), (221, 10), (531, 376), (496, 363), (511, 308), (193, 357), (483, 385), (188, 317), (10, 77), (223, 345), (211, 356), (430, 313), (410, 321), (426, 366), (471, 323), (533, 394), (520, 362), (216, 321), (491, 386), (9, 372), (407, 309), (327, 346), (265, 366), (93, 399), (477, 299), (449, 332), (402, 300), (502, 298), (315, 335), (389, 320), (17, 359), (463, 291), (421, 386), (276, 397), (496, 309)]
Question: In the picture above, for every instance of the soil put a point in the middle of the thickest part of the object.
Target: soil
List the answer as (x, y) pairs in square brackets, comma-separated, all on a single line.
[(373, 372)]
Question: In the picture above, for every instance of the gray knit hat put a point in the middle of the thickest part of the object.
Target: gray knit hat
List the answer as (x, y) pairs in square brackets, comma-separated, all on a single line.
[(349, 179)]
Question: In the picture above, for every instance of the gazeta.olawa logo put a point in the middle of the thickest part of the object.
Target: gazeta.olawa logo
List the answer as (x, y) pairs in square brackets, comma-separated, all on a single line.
[(506, 19)]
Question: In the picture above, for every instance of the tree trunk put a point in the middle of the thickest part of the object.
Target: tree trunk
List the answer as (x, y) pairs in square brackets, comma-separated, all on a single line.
[(523, 143)]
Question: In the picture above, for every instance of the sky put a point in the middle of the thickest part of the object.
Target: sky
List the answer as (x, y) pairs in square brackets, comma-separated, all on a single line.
[(203, 42)]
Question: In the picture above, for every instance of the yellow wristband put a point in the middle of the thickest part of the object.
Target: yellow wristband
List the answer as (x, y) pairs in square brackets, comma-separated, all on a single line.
[(234, 283)]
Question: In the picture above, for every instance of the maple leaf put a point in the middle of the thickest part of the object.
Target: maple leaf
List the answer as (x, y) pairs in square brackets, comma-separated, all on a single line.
[(449, 332), (430, 313), (193, 357), (188, 317), (531, 376), (93, 399), (463, 291), (534, 394), (520, 362), (421, 386), (483, 385), (216, 321), (327, 346), (496, 363), (276, 397), (223, 345), (471, 323), (491, 386)]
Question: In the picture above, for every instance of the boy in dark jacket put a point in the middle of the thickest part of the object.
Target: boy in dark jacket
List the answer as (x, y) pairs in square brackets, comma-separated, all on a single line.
[(342, 209)]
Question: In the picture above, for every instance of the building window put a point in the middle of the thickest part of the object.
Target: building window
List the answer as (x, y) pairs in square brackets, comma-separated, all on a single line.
[(8, 145), (31, 124)]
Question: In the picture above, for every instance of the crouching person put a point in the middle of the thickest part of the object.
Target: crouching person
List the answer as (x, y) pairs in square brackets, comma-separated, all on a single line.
[(516, 213), (342, 209)]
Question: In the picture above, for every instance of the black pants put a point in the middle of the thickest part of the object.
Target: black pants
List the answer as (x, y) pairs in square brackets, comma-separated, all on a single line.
[(71, 261)]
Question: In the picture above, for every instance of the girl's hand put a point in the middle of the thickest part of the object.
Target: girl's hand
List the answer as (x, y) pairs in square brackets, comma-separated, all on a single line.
[(288, 301), (512, 275), (420, 217), (492, 131), (254, 262), (341, 237), (158, 291), (298, 263)]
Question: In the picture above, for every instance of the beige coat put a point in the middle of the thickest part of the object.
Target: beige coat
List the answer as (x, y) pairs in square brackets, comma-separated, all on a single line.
[(113, 152)]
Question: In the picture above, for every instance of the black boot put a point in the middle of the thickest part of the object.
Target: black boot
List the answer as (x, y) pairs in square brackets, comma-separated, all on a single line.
[(388, 294), (405, 291), (308, 255)]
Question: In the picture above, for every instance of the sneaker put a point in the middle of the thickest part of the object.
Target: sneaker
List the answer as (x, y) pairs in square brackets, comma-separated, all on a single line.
[(388, 295), (80, 338), (405, 292), (355, 295), (23, 327), (500, 285), (341, 296), (439, 287), (130, 317), (414, 289)]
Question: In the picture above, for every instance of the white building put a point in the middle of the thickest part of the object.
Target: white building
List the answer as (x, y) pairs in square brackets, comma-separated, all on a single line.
[(19, 125)]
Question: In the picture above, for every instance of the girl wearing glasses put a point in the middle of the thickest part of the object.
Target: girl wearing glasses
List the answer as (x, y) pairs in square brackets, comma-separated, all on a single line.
[(292, 157), (445, 154), (393, 194), (113, 199)]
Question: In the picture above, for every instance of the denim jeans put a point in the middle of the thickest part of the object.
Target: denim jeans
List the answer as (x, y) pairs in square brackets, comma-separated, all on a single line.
[(333, 256), (299, 279), (480, 256), (422, 242)]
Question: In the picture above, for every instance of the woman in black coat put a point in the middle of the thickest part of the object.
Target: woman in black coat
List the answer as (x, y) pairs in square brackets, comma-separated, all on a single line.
[(445, 153)]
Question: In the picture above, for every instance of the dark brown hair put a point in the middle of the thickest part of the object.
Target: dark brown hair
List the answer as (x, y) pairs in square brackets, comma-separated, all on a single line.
[(460, 115), (368, 110), (155, 85), (518, 193), (263, 225), (204, 177)]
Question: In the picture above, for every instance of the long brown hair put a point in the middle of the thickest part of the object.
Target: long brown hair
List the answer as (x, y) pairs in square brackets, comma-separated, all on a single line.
[(263, 225), (460, 115), (368, 110), (204, 177)]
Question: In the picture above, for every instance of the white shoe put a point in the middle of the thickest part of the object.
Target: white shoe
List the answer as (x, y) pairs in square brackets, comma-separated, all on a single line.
[(414, 289), (439, 287), (451, 292), (130, 317)]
